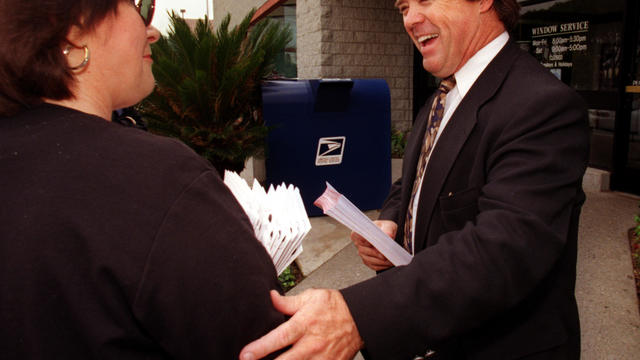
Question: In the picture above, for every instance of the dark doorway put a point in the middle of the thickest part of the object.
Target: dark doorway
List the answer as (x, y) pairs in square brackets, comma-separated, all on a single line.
[(424, 84), (626, 165)]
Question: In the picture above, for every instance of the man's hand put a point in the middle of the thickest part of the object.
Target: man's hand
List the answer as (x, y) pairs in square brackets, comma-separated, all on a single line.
[(321, 328), (371, 257)]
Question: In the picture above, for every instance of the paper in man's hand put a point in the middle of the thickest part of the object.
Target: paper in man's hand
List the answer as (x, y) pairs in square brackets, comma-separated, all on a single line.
[(340, 208)]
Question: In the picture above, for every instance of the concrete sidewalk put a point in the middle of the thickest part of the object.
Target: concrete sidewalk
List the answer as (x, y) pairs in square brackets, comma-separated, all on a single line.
[(605, 289)]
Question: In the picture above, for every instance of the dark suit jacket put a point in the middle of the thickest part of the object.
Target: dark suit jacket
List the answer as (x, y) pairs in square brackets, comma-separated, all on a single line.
[(497, 224)]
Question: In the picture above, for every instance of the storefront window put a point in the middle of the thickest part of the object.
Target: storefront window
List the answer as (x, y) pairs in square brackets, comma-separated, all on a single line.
[(286, 63), (633, 156), (633, 160), (580, 42)]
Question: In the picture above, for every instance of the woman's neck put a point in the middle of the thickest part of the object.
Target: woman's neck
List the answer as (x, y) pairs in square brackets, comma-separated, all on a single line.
[(85, 104)]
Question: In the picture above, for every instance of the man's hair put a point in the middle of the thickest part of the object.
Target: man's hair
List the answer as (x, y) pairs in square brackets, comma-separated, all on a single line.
[(33, 34), (508, 12)]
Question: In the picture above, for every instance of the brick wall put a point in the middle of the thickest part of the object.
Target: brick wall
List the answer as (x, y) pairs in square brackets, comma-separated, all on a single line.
[(357, 39)]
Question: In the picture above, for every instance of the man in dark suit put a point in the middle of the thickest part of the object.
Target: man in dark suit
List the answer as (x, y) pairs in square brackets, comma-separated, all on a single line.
[(489, 203)]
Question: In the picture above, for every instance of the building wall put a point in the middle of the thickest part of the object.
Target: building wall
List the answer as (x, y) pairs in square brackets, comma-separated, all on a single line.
[(237, 8), (357, 39)]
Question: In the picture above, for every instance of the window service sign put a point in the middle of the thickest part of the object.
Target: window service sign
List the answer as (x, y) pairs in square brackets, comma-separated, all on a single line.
[(553, 45)]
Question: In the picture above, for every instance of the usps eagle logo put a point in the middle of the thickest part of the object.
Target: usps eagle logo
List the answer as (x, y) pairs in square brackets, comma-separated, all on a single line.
[(330, 150)]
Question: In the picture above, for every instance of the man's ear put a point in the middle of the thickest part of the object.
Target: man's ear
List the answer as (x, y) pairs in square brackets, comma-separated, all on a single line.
[(486, 5)]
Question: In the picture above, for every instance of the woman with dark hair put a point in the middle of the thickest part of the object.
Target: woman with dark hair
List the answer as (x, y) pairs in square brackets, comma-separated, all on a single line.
[(114, 243)]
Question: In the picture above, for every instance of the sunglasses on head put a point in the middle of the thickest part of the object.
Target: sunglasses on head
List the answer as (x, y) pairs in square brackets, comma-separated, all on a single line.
[(145, 9)]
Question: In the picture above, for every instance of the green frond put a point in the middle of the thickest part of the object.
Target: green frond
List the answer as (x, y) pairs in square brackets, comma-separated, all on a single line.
[(208, 86)]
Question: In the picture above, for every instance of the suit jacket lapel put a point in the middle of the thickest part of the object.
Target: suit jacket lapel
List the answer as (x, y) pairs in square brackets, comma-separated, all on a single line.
[(454, 136)]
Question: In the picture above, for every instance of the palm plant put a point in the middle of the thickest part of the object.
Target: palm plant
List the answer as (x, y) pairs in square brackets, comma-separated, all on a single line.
[(208, 86)]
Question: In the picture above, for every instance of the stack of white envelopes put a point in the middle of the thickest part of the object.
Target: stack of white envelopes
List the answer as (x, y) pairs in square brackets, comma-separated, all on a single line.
[(340, 208), (278, 217)]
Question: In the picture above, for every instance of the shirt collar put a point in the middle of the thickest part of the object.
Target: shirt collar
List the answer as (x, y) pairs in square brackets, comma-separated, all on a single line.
[(469, 72)]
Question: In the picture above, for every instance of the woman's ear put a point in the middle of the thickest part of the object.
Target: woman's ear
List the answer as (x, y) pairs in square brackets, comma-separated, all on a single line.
[(75, 49), (75, 36)]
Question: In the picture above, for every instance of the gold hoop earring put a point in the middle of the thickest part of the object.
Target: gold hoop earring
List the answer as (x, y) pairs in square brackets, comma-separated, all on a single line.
[(84, 62)]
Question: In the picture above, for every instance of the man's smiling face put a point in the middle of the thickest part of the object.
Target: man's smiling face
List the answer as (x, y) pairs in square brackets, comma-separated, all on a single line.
[(446, 32)]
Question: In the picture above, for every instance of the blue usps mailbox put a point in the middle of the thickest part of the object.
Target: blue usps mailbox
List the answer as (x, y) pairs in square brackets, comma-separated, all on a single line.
[(335, 130)]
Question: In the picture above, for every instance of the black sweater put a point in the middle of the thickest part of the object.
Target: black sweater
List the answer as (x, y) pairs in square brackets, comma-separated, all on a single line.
[(119, 244)]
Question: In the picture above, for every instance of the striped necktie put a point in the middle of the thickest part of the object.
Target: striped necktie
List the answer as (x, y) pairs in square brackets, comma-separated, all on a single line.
[(435, 118)]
